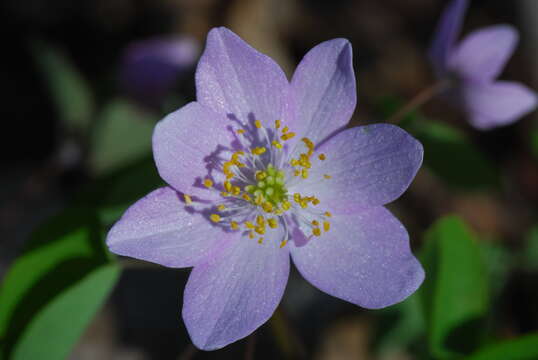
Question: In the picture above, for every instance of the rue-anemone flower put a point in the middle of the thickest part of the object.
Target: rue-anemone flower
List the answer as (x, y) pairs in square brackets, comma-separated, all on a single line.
[(151, 67), (260, 168), (471, 67)]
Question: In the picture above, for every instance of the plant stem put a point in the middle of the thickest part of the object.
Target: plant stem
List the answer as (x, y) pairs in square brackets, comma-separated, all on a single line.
[(286, 338), (420, 99)]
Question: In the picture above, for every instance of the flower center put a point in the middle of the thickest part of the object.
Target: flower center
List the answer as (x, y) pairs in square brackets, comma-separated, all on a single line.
[(254, 191)]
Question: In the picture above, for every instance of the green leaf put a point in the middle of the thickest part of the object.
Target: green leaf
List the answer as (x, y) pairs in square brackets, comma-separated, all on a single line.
[(69, 91), (530, 254), (455, 292), (62, 321), (522, 348), (121, 137), (448, 153), (400, 325), (45, 284), (113, 193), (452, 157)]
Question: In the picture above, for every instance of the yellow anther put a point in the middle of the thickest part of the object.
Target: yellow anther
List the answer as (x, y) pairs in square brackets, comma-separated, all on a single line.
[(260, 175), (315, 200), (316, 231), (260, 230), (240, 131), (273, 223), (278, 211), (327, 176), (267, 207), (304, 174), (258, 124), (221, 207), (260, 220), (224, 193), (246, 197), (285, 130), (249, 225), (322, 157), (297, 197), (283, 243), (326, 226), (259, 199), (188, 199), (236, 190), (234, 225), (251, 235), (258, 150), (304, 204), (277, 124), (277, 144), (287, 136), (315, 222), (208, 183), (286, 205), (260, 240), (328, 214), (215, 218), (228, 186), (296, 172)]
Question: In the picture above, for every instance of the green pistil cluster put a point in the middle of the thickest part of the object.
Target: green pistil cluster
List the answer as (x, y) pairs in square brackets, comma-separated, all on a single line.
[(270, 185)]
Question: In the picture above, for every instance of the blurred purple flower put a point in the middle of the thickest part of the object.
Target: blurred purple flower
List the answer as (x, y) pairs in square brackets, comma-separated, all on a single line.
[(474, 64), (151, 67), (248, 187)]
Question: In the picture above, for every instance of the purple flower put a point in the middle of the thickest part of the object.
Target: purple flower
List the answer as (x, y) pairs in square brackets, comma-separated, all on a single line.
[(151, 67), (474, 64), (259, 168)]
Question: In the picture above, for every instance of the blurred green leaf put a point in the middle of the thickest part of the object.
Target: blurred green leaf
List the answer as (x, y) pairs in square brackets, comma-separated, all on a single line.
[(62, 321), (455, 293), (400, 325), (530, 252), (122, 136), (522, 348), (447, 151), (69, 91), (45, 287), (113, 193)]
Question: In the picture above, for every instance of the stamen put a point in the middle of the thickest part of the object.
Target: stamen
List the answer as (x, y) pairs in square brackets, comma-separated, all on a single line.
[(215, 218), (188, 199)]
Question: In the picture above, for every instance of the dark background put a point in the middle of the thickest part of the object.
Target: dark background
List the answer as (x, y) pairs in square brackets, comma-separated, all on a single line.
[(44, 164)]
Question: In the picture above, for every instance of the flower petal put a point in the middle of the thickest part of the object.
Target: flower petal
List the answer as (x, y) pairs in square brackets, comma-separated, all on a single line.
[(159, 229), (499, 103), (234, 293), (187, 146), (235, 79), (364, 259), (447, 31), (368, 166), (482, 55), (323, 91)]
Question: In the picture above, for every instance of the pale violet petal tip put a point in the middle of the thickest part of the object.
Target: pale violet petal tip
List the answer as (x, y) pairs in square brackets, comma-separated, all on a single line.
[(496, 104), (323, 90), (236, 80), (159, 229), (364, 259), (446, 33), (235, 292), (482, 55)]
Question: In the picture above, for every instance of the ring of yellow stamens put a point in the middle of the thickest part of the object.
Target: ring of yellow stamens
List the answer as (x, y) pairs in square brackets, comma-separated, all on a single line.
[(263, 185)]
